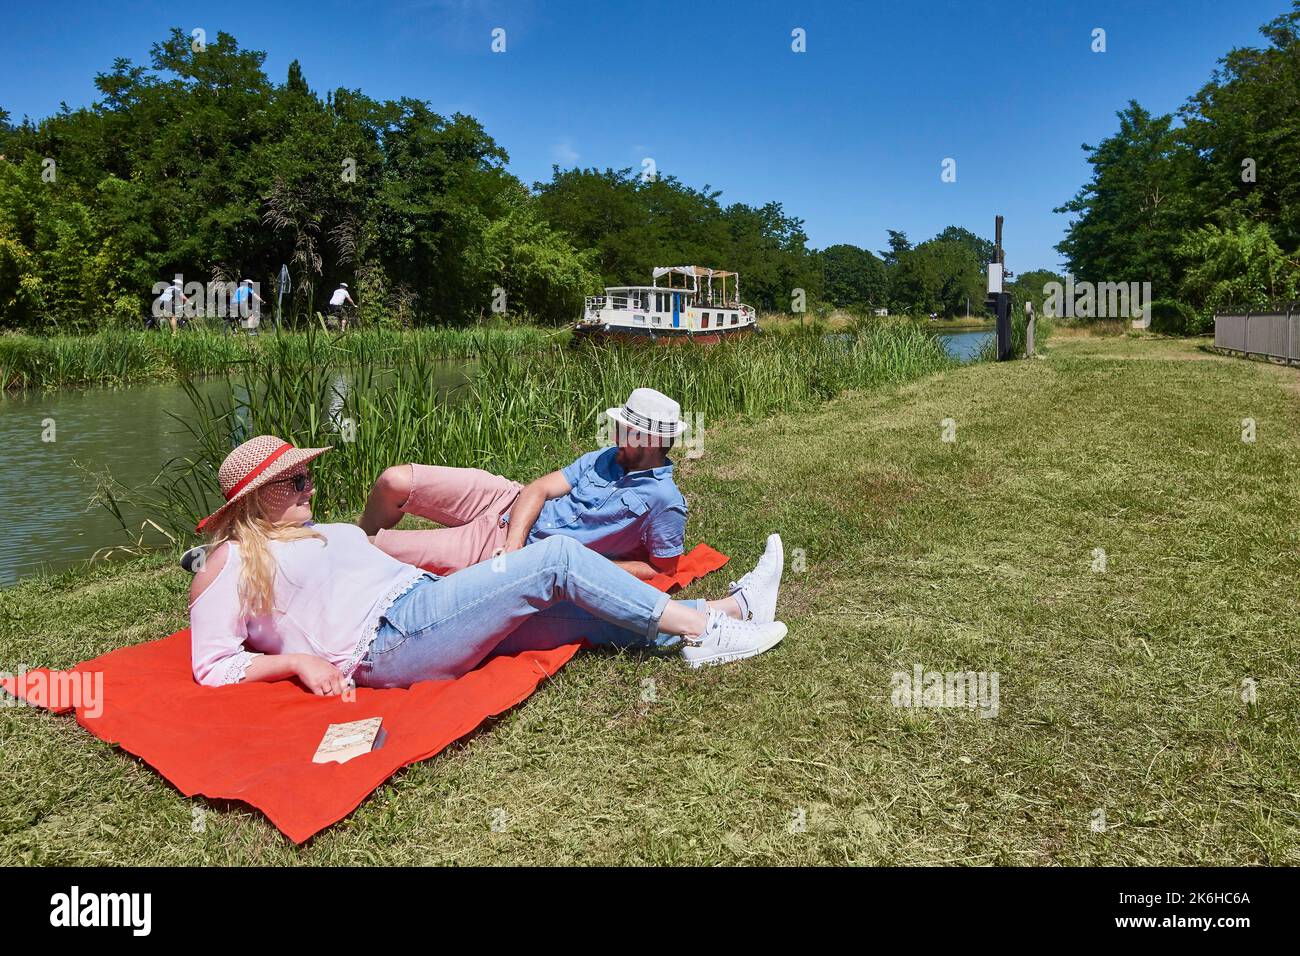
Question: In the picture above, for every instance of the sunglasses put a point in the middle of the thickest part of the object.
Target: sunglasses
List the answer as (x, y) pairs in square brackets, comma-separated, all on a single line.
[(301, 481)]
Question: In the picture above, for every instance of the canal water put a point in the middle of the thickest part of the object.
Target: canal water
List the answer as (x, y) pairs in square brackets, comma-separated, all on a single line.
[(965, 346), (53, 441)]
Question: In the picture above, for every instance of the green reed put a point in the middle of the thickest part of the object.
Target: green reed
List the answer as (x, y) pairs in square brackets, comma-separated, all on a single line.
[(518, 412), (117, 357)]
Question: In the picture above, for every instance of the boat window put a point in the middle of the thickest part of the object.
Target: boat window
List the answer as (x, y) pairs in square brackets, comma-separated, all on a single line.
[(733, 318)]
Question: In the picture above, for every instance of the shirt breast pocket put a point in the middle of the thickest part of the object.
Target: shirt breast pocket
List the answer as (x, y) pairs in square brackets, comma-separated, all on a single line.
[(565, 516), (635, 504)]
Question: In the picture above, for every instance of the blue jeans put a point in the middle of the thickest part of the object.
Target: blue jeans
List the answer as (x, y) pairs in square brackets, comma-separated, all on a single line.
[(549, 593)]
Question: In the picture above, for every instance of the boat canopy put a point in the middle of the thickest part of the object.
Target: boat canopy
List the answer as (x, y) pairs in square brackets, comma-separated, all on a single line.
[(701, 272), (690, 271)]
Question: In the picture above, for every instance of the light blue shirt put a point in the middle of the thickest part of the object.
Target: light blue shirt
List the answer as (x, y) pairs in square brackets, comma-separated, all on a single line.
[(616, 513)]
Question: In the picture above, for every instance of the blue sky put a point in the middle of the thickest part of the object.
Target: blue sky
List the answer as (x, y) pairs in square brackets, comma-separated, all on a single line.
[(849, 135)]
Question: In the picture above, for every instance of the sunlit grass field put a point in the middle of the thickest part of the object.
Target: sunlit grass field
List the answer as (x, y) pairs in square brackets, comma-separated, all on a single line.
[(1097, 533)]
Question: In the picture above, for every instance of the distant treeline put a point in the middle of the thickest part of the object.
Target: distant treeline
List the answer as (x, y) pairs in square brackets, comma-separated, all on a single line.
[(200, 166), (1204, 204)]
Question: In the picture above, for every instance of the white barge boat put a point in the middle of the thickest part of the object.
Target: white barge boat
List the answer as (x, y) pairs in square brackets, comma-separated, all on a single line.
[(694, 304)]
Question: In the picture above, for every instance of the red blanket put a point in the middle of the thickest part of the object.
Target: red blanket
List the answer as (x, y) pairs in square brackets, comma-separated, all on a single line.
[(254, 742)]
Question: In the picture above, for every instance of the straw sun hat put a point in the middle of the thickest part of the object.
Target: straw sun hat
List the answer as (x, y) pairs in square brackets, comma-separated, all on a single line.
[(256, 463)]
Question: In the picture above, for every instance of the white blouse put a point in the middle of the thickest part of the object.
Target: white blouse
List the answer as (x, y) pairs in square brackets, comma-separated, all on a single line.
[(328, 598)]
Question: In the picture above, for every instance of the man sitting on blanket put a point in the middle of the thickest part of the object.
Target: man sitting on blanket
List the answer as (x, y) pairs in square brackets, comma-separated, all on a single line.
[(621, 502)]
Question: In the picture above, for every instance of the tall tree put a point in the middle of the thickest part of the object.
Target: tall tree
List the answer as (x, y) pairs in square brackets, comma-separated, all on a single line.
[(981, 249), (1136, 208), (199, 165), (898, 244), (939, 277), (1244, 126), (852, 276), (634, 223)]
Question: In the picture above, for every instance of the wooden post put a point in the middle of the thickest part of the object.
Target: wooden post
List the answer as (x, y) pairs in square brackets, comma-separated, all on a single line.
[(1289, 351), (998, 298), (1029, 330)]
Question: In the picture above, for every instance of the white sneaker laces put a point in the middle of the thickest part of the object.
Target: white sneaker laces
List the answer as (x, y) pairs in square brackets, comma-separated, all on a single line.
[(724, 627)]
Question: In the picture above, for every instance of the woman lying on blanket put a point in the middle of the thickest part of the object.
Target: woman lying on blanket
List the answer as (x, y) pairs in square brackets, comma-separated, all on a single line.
[(278, 596)]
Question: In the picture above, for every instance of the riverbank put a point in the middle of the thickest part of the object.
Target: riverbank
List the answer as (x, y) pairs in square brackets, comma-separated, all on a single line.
[(520, 413), (1120, 736), (118, 358), (960, 324), (509, 410), (840, 319)]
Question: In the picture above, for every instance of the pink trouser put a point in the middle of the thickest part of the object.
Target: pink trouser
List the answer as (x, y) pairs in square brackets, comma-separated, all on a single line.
[(469, 501)]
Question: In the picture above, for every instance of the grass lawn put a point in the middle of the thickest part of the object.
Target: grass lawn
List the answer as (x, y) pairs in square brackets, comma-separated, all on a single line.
[(1121, 734)]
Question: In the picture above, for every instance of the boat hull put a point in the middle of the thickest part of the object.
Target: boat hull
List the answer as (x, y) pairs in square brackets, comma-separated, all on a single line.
[(659, 336)]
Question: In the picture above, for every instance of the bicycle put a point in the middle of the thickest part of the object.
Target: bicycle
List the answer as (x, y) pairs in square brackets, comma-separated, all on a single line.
[(342, 317), (161, 323)]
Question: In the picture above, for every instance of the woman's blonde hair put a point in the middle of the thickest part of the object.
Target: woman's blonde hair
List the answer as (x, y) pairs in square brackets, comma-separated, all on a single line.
[(246, 525)]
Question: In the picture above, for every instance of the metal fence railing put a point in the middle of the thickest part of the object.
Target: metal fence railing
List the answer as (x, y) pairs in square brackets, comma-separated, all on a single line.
[(1271, 333)]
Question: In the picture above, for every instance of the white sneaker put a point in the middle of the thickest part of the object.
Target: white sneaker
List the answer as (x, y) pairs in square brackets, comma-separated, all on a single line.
[(726, 639), (762, 584)]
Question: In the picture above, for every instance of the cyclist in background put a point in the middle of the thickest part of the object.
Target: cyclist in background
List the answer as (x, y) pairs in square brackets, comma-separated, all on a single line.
[(170, 303), (247, 303), (337, 302)]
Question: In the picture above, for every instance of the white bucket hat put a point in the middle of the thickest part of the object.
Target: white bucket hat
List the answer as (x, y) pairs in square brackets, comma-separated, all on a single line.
[(651, 412)]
